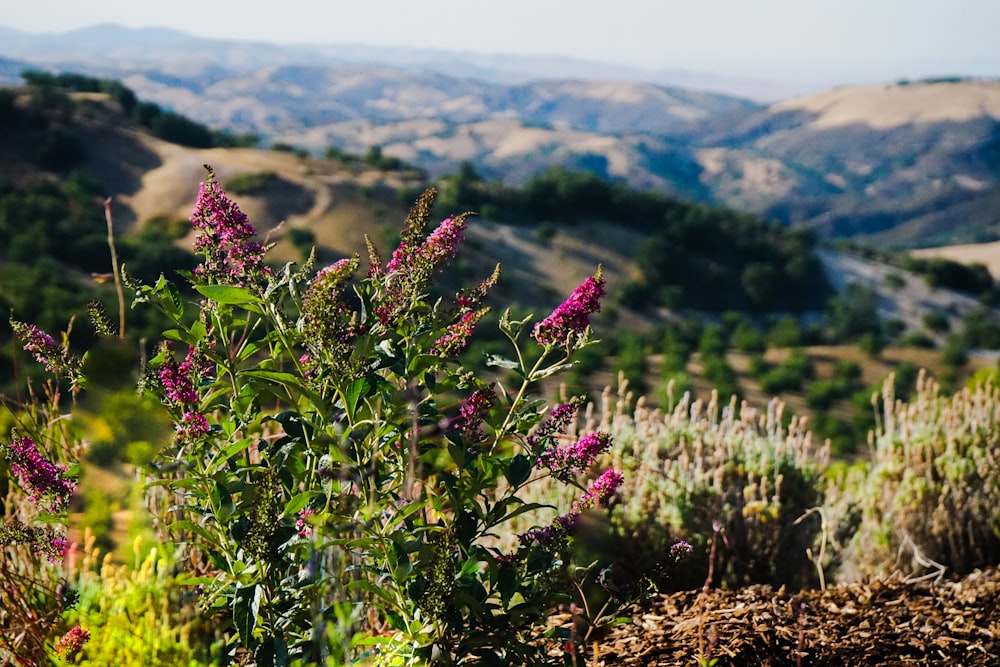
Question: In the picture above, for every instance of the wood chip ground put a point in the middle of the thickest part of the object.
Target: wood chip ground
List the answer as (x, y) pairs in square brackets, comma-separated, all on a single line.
[(886, 623)]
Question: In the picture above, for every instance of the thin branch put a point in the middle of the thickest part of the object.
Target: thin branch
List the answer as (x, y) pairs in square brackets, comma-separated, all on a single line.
[(114, 267)]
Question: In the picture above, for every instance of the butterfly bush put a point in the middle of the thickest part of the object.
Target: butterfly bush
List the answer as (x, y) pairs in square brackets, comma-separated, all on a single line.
[(46, 483), (339, 475), (40, 460)]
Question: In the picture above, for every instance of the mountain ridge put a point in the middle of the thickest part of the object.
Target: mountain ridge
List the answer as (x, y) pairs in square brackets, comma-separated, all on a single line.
[(901, 164)]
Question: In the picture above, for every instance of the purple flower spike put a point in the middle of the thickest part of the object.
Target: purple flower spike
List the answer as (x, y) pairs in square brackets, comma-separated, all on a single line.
[(46, 483), (225, 239), (47, 352), (457, 336), (565, 462), (473, 412), (572, 317), (601, 490)]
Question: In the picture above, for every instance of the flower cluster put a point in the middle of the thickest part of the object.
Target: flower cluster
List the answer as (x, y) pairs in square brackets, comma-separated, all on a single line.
[(328, 323), (600, 490), (566, 462), (598, 493), (472, 298), (302, 523), (457, 336), (56, 358), (680, 550), (475, 409), (72, 642), (177, 382), (47, 483), (572, 317), (225, 239), (412, 266), (556, 423), (44, 541)]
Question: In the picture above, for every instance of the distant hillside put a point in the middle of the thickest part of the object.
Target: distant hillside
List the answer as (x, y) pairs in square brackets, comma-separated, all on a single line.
[(685, 281), (907, 164)]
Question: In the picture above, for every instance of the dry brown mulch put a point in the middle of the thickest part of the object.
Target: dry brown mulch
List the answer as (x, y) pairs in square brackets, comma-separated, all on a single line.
[(884, 623)]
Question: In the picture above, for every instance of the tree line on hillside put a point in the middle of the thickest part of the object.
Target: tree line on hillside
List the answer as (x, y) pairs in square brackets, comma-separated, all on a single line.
[(694, 256), (48, 92)]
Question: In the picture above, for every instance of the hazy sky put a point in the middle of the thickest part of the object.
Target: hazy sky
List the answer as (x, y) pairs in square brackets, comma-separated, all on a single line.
[(770, 38)]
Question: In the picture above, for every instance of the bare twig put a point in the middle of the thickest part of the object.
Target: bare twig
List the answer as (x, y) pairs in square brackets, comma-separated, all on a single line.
[(115, 269)]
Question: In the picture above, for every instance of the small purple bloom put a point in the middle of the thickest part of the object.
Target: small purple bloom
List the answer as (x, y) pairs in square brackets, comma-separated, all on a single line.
[(475, 409), (225, 239), (572, 317), (680, 550), (565, 462), (46, 483), (555, 423), (455, 340)]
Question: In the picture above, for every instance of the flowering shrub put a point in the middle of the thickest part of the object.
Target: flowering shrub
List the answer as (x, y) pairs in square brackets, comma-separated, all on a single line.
[(926, 504), (41, 456), (334, 467)]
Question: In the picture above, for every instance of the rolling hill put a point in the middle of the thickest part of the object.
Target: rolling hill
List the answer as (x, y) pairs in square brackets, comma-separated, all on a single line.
[(900, 165)]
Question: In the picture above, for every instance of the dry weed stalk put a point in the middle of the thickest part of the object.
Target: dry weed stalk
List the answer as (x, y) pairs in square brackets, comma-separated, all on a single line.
[(932, 486), (701, 462)]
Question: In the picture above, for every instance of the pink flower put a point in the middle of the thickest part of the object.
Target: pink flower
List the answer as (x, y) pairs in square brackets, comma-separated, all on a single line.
[(302, 523), (47, 352), (473, 412), (565, 462), (572, 317), (601, 490), (177, 385), (191, 426), (72, 642), (225, 239), (455, 340), (46, 483), (45, 541), (412, 265)]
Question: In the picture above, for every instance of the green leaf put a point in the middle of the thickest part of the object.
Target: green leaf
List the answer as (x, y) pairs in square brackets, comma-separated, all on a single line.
[(353, 394), (274, 376), (246, 606), (222, 500), (422, 362), (551, 370), (227, 294), (519, 470), (293, 506), (457, 454), (170, 297)]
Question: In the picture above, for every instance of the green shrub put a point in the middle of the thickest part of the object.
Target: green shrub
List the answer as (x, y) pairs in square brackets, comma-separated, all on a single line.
[(249, 182), (748, 340), (786, 332), (700, 463), (918, 340), (931, 494), (139, 615), (936, 321)]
